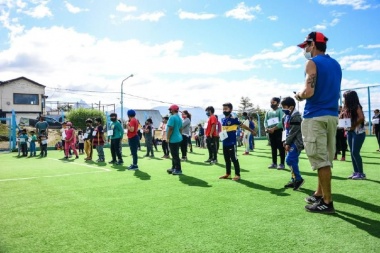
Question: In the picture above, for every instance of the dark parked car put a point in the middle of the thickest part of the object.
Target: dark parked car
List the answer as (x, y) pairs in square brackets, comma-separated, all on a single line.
[(53, 123)]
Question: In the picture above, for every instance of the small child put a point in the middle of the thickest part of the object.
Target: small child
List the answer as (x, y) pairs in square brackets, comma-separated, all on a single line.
[(33, 139), (292, 141), (23, 142), (99, 139), (70, 140), (43, 143), (80, 142), (18, 142), (148, 137)]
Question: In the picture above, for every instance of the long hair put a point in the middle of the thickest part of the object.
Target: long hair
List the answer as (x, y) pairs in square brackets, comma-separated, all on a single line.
[(351, 104), (187, 114)]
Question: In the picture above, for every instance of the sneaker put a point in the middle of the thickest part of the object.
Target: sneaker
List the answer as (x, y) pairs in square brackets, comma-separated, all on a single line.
[(170, 171), (227, 176), (246, 153), (298, 184), (183, 159), (343, 159), (313, 199), (66, 157), (146, 155), (289, 185), (177, 172), (208, 161), (236, 178), (133, 167), (164, 156), (272, 166), (280, 167), (358, 176), (320, 207), (76, 157), (119, 162), (352, 175), (213, 161), (112, 162)]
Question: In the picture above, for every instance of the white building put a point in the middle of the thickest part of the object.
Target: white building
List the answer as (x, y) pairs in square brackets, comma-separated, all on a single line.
[(24, 96)]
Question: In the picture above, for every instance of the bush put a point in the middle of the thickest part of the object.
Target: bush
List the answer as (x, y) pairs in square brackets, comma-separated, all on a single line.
[(78, 117)]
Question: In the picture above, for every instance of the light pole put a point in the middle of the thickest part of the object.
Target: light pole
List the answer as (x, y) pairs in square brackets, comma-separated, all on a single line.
[(121, 99)]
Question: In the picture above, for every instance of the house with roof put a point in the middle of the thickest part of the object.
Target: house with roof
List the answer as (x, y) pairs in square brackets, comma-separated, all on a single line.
[(26, 97)]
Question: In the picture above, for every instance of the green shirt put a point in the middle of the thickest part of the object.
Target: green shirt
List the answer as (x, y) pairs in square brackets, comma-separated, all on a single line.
[(118, 131), (274, 114)]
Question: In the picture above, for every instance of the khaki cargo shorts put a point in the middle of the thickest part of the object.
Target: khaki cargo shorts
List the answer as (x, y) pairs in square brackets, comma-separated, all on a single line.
[(318, 135)]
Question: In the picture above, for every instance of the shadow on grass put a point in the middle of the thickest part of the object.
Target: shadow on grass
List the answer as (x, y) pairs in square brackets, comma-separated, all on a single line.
[(199, 163), (193, 181), (279, 192), (142, 175), (371, 226)]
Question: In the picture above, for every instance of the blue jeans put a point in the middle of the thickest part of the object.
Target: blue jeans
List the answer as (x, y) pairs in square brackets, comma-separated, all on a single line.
[(100, 150), (133, 146), (292, 161), (355, 142)]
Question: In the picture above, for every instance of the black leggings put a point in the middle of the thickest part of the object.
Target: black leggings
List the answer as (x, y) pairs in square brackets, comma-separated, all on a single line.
[(184, 146), (165, 148), (276, 144), (115, 150), (341, 142), (174, 151)]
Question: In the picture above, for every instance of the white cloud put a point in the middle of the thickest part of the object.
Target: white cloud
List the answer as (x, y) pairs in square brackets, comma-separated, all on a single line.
[(370, 46), (278, 44), (152, 16), (125, 8), (273, 18), (334, 22), (286, 55), (291, 66), (196, 16), (20, 4), (73, 9), (360, 63), (356, 4), (12, 25), (243, 12), (39, 11)]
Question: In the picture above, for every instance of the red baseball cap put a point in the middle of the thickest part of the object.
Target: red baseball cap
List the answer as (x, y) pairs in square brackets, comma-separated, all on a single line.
[(313, 36), (174, 108)]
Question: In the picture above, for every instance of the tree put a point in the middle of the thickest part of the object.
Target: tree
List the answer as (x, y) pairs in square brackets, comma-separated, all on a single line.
[(78, 117), (245, 105)]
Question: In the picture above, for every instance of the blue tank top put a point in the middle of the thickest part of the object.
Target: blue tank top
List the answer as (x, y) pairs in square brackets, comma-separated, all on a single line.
[(324, 102)]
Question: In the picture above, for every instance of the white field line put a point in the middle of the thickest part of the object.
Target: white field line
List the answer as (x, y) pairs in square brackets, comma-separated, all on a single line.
[(61, 175), (80, 164)]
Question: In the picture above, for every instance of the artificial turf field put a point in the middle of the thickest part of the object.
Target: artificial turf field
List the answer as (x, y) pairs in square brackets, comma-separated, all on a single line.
[(51, 205)]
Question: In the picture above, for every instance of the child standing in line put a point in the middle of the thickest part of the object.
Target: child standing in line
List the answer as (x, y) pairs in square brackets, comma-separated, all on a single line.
[(228, 136), (165, 147), (88, 139), (133, 138), (43, 143), (80, 142), (99, 139), (63, 136), (70, 140), (148, 138), (23, 142), (293, 142), (33, 139), (18, 142)]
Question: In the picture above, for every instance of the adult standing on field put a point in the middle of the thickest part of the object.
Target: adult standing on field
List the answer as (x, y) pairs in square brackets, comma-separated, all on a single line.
[(115, 136), (42, 125), (174, 137), (322, 91)]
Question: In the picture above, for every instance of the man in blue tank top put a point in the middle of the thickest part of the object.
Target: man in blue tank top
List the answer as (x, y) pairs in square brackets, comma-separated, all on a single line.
[(323, 76)]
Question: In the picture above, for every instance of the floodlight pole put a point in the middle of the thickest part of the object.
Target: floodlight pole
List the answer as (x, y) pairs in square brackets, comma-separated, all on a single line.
[(121, 99)]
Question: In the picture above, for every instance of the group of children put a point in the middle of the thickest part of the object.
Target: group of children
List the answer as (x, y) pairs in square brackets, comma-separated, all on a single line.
[(23, 139)]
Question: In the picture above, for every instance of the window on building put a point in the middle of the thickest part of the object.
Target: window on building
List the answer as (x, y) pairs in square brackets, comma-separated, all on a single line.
[(25, 99)]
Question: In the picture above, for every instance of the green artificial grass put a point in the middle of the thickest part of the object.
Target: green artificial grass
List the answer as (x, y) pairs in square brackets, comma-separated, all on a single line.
[(51, 205)]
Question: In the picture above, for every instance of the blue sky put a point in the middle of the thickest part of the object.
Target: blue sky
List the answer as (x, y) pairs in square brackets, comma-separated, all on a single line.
[(188, 52)]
